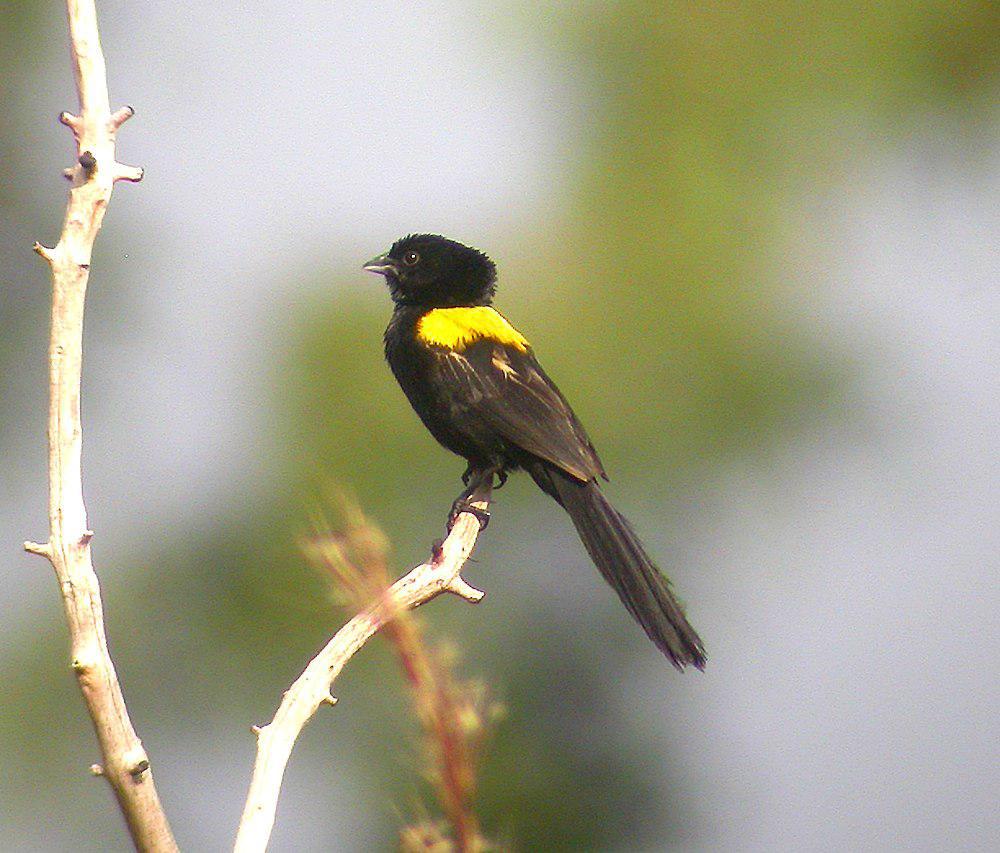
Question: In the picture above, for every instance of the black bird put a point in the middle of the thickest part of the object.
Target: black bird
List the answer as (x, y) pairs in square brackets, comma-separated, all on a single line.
[(474, 381)]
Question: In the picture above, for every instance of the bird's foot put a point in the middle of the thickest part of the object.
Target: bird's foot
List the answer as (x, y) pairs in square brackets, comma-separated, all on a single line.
[(464, 505)]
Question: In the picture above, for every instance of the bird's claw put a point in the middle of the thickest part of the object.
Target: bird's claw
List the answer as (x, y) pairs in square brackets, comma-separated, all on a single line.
[(463, 505)]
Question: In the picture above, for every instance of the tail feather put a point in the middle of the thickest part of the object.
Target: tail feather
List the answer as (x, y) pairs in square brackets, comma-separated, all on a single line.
[(625, 565)]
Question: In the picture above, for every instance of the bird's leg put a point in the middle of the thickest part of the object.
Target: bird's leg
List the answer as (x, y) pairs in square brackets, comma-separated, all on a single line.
[(476, 478), (467, 476)]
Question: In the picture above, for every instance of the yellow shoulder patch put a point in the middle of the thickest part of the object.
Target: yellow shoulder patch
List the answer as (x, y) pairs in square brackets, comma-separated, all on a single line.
[(456, 328)]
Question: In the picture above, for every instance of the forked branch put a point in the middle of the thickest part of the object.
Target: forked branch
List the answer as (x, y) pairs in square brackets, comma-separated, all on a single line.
[(442, 573)]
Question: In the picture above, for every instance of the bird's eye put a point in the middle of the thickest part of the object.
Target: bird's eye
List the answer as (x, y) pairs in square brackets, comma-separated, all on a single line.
[(410, 258)]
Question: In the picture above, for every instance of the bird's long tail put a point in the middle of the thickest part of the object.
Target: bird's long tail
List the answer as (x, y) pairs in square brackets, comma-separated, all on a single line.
[(624, 563)]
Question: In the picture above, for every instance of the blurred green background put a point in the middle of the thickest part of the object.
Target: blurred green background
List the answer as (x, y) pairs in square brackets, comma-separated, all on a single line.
[(754, 243)]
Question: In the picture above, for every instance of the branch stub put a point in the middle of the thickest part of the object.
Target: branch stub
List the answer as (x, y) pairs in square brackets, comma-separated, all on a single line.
[(119, 117)]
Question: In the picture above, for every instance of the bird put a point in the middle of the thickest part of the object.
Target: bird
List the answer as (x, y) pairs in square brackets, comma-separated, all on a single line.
[(474, 381)]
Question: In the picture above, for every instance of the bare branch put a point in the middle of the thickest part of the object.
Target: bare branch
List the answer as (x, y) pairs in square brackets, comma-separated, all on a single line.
[(125, 764), (442, 573)]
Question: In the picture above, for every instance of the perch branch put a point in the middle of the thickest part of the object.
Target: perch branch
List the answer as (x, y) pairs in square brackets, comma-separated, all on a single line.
[(442, 573), (124, 761)]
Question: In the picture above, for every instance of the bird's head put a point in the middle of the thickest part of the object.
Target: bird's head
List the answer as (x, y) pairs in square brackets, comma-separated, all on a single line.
[(433, 271)]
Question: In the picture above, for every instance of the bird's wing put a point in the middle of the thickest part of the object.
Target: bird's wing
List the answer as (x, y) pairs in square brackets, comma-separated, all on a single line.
[(505, 388)]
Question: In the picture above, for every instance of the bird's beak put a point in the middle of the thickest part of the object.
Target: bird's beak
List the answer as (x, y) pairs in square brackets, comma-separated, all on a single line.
[(383, 265)]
